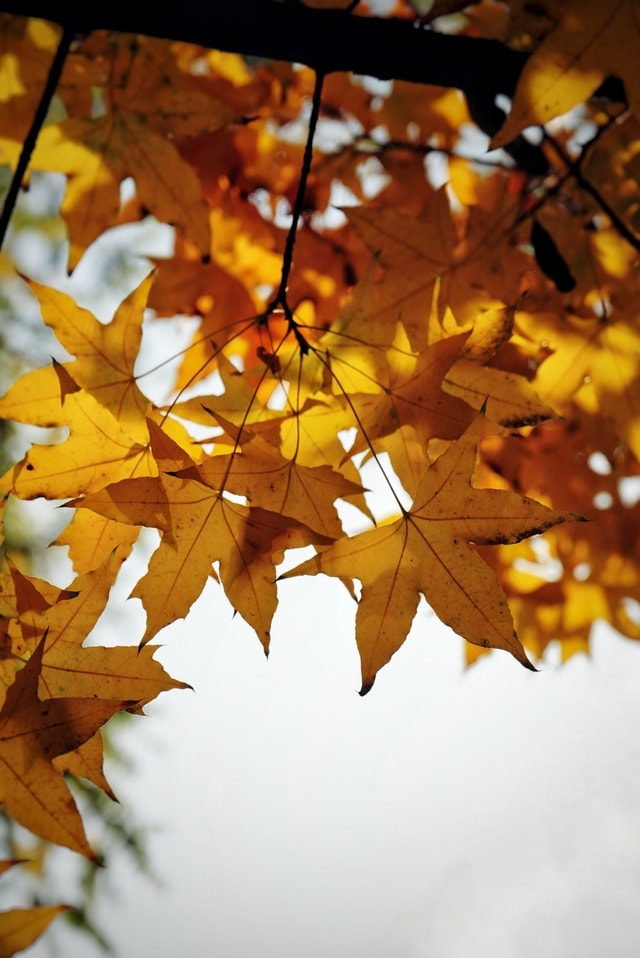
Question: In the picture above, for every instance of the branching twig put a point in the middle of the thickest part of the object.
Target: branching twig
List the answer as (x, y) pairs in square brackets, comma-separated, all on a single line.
[(367, 145), (574, 169), (280, 298)]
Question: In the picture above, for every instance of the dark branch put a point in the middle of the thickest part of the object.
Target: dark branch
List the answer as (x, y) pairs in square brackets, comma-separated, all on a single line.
[(327, 40), (574, 169), (298, 206), (280, 298)]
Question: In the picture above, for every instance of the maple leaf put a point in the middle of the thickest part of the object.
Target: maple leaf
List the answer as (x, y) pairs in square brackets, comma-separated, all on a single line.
[(69, 667), (240, 403), (200, 526), (509, 398), (26, 51), (224, 302), (97, 451), (589, 41), (356, 342), (86, 761), (415, 397), (599, 354), (148, 102), (91, 539), (280, 485), (428, 551), (32, 733), (414, 252), (21, 927), (104, 366)]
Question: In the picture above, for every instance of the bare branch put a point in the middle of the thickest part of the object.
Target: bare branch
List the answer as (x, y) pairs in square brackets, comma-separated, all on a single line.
[(327, 40)]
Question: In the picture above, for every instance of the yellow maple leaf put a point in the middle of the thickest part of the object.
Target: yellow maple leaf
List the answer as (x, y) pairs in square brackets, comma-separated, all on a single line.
[(104, 365), (97, 451), (21, 927), (91, 539), (105, 352), (70, 668), (415, 397), (240, 403), (589, 41), (601, 354), (356, 343), (509, 397), (200, 526), (427, 551), (280, 485), (147, 103), (414, 251), (32, 733), (86, 762), (27, 48)]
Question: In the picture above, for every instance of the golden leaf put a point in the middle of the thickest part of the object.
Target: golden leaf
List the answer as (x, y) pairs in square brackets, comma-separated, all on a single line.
[(428, 551)]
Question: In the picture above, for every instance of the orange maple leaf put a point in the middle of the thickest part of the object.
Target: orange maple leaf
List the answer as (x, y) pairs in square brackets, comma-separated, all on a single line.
[(427, 551), (200, 526), (148, 103), (20, 927), (32, 733), (280, 485), (414, 251), (104, 365), (69, 667), (590, 41)]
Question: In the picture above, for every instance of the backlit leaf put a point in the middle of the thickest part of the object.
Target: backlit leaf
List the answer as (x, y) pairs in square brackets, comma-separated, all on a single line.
[(589, 41), (20, 927), (429, 551)]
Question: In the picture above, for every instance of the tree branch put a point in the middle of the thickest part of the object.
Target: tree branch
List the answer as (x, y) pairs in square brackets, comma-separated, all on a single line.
[(326, 40)]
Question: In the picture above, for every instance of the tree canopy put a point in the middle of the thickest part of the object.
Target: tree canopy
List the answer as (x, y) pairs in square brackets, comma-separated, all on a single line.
[(426, 283)]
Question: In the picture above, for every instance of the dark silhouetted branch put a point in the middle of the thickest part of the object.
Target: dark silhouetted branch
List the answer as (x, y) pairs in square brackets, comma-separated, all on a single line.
[(327, 40)]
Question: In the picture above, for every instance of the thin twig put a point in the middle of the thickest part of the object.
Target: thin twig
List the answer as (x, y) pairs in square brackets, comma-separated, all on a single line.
[(574, 168), (287, 259), (367, 145), (280, 298)]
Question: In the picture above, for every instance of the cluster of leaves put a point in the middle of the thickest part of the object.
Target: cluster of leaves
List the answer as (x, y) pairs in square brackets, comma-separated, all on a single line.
[(466, 325)]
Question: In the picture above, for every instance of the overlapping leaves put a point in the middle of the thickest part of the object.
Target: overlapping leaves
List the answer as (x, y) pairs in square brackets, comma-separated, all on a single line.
[(425, 333)]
